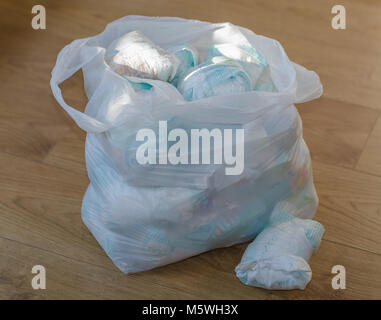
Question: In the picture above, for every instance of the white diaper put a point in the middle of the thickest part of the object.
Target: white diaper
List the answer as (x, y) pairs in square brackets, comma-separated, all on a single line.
[(135, 55), (277, 258), (250, 59), (217, 76), (188, 58)]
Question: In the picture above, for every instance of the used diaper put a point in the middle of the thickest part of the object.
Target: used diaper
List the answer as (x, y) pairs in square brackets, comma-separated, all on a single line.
[(250, 59), (135, 55), (188, 58), (277, 258), (217, 76), (228, 69)]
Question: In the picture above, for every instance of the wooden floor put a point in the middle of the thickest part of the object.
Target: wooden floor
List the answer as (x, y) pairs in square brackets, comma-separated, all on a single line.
[(42, 169)]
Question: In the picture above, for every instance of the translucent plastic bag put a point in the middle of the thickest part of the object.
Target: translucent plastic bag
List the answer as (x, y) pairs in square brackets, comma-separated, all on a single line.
[(145, 216)]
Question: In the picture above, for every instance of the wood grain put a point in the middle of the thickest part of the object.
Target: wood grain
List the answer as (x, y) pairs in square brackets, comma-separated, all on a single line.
[(370, 160), (350, 205), (336, 132), (43, 175)]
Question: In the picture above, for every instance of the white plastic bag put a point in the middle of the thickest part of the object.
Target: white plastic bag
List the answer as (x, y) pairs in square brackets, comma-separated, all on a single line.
[(148, 216)]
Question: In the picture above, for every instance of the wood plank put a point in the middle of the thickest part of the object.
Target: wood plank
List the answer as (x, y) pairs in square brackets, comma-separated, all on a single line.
[(28, 177), (370, 160), (336, 132), (350, 205), (30, 139), (363, 278), (52, 224), (198, 277), (69, 279), (69, 153)]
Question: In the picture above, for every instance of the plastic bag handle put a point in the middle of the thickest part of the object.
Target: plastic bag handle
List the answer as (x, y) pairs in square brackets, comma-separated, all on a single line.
[(308, 85), (69, 61)]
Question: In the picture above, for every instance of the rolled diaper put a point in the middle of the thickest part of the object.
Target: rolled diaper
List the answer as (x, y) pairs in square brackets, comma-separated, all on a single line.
[(217, 76), (188, 58), (249, 58), (277, 258), (135, 55)]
